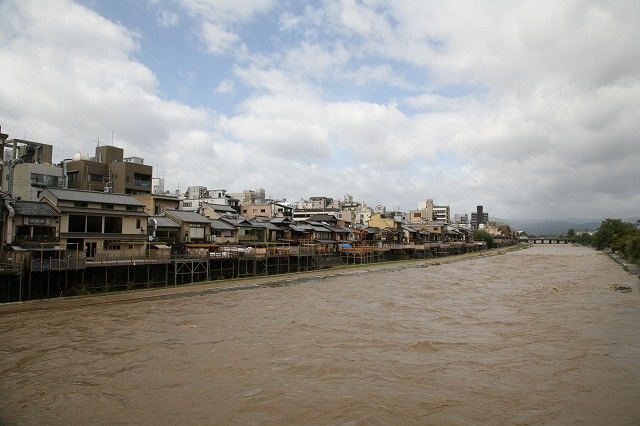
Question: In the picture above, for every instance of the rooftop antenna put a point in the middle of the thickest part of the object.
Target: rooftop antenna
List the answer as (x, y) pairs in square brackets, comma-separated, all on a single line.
[(112, 130), (97, 139)]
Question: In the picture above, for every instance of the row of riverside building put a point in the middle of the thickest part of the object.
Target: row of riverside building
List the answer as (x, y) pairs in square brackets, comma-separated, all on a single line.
[(103, 223)]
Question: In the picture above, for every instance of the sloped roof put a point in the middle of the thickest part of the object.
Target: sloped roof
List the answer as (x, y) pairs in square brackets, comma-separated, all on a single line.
[(91, 197), (266, 225), (301, 228), (221, 208), (238, 221), (34, 208), (323, 218), (164, 222), (186, 216), (221, 224), (343, 229), (282, 220)]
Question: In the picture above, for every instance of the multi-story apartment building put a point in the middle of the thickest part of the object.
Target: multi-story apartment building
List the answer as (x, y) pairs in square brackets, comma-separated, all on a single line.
[(26, 169), (196, 192), (251, 196), (109, 171), (355, 212), (198, 196), (316, 205), (157, 186), (479, 217), (428, 212), (461, 219)]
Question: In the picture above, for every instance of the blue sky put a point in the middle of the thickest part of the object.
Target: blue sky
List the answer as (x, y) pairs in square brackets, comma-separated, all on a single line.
[(529, 108)]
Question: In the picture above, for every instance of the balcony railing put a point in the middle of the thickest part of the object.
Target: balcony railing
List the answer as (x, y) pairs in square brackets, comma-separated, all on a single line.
[(104, 259), (65, 264), (36, 239)]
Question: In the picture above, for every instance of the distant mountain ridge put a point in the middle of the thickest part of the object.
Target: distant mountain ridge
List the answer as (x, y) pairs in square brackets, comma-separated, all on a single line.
[(550, 227)]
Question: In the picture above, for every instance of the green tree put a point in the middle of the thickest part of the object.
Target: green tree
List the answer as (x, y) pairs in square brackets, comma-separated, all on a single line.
[(608, 229), (621, 240), (585, 239), (571, 233), (632, 250), (480, 235)]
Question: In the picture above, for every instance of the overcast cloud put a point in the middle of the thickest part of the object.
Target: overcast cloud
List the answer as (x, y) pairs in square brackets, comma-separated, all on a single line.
[(530, 108)]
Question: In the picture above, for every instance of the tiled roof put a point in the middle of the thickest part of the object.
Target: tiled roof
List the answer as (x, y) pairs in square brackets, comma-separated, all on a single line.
[(280, 220), (266, 225), (92, 197), (238, 221), (221, 224), (34, 208), (221, 208), (164, 222), (186, 216)]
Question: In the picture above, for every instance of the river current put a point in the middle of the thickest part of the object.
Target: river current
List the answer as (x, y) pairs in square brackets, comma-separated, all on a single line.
[(546, 335)]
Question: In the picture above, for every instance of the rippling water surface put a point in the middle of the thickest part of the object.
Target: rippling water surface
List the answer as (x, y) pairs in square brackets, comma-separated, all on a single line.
[(536, 336)]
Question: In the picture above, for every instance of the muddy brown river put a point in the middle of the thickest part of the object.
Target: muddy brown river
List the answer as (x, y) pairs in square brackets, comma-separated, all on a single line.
[(546, 335)]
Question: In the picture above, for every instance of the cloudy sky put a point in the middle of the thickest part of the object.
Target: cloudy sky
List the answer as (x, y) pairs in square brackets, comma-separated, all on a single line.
[(530, 108)]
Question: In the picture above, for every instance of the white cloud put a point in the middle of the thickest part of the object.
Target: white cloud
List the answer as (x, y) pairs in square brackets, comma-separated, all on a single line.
[(167, 19), (225, 86), (219, 18)]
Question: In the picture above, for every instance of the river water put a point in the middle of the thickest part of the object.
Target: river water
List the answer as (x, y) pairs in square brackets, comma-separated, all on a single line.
[(546, 335)]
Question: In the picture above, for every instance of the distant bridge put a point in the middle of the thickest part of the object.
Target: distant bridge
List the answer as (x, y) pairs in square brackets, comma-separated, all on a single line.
[(548, 240)]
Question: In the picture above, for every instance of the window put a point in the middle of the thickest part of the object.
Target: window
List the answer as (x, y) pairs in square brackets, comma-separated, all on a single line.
[(95, 178), (142, 180), (43, 180), (109, 245), (44, 231), (23, 231), (137, 223), (77, 223), (107, 206), (167, 235), (196, 231), (112, 225), (80, 204), (72, 176), (94, 224), (132, 208)]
